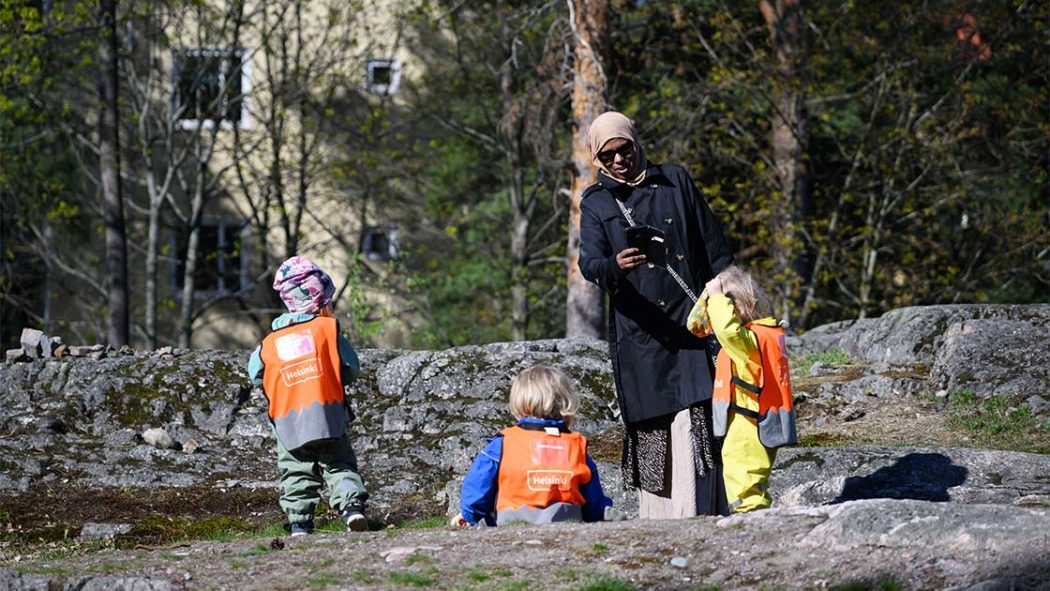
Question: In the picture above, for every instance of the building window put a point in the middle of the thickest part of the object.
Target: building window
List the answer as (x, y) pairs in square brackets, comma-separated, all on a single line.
[(211, 85), (384, 76), (379, 243), (222, 268)]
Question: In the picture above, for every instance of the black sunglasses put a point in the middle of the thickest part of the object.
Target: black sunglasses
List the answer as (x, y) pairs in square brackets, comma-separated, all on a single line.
[(625, 151)]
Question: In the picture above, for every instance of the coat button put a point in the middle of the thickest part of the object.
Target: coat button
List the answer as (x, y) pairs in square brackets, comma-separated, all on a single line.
[(651, 265), (680, 257), (661, 303), (668, 221)]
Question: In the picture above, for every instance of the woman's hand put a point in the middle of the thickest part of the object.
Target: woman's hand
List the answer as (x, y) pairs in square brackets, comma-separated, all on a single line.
[(629, 258), (714, 287)]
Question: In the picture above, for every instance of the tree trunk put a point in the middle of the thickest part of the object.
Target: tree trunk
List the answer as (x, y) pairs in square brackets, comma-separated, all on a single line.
[(109, 174), (584, 305), (790, 137)]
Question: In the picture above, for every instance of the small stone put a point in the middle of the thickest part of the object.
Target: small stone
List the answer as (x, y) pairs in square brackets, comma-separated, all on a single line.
[(158, 438), (60, 351), (941, 393), (277, 544), (165, 352), (31, 341), (190, 446), (816, 368), (852, 414), (50, 344), (679, 562), (102, 531), (1037, 404), (14, 355)]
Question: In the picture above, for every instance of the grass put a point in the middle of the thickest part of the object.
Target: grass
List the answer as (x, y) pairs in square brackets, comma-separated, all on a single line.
[(322, 580), (257, 550), (478, 576), (430, 523), (417, 580), (824, 440), (419, 559), (515, 586), (501, 572), (599, 548), (362, 576), (883, 585), (604, 583), (1000, 421), (800, 366)]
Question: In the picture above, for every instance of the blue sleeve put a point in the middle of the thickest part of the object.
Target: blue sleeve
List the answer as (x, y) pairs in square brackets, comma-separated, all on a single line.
[(597, 259), (348, 357), (594, 499), (477, 500), (255, 367)]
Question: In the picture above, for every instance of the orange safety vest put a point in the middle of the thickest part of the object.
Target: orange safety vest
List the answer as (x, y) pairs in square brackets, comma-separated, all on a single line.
[(539, 469), (301, 379), (776, 413)]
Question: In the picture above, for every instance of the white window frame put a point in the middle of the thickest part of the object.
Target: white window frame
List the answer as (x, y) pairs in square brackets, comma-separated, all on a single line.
[(395, 76), (243, 274), (245, 120)]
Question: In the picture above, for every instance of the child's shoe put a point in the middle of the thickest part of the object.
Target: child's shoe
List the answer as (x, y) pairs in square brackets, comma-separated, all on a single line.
[(301, 528), (354, 518)]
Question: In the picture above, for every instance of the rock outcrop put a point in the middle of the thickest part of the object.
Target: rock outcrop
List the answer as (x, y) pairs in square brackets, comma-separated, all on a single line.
[(181, 418)]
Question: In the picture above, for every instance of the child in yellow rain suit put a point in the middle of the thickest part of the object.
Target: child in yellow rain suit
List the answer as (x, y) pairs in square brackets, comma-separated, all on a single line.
[(752, 405)]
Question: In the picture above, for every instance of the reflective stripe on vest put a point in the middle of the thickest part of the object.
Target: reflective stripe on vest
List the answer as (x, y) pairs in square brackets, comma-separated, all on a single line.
[(776, 413), (301, 379), (540, 476)]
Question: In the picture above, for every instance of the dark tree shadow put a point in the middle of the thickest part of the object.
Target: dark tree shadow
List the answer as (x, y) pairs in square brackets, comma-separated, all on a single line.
[(922, 477)]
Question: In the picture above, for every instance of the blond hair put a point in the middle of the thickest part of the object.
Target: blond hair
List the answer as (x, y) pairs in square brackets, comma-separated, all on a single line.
[(543, 392), (739, 286)]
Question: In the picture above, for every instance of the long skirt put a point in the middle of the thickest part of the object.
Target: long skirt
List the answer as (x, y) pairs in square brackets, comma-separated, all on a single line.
[(684, 494)]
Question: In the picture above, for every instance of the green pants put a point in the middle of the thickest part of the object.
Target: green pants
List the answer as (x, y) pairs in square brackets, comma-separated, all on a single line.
[(305, 470)]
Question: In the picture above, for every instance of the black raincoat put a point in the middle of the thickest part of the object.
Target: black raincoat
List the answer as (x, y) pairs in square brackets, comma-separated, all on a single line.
[(660, 367)]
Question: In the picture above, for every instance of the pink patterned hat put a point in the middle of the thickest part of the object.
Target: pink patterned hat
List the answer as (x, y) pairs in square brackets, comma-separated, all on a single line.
[(303, 286)]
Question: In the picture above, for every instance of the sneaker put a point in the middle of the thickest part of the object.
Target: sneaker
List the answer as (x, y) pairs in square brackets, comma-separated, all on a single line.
[(301, 528), (354, 519)]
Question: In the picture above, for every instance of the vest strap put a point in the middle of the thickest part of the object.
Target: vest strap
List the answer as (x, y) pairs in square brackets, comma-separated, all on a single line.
[(749, 387), (747, 412)]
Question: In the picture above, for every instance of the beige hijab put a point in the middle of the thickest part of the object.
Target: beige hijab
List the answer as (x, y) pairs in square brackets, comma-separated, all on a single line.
[(609, 126)]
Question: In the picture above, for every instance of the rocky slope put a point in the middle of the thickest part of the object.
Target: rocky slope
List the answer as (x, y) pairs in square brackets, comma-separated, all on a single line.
[(105, 448)]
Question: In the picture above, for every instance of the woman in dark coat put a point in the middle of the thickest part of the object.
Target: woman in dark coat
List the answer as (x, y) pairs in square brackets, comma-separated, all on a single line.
[(663, 372)]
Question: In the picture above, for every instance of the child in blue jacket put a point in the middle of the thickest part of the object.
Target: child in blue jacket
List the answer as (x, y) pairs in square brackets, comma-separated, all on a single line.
[(537, 471)]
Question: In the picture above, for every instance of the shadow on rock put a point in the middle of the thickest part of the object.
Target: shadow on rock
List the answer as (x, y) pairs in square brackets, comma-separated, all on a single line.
[(918, 476)]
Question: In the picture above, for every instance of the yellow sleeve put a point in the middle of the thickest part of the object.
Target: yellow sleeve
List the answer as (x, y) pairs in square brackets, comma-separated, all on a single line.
[(738, 341)]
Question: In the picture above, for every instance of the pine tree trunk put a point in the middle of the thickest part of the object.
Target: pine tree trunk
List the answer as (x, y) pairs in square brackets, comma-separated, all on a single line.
[(584, 305), (790, 138), (109, 174)]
